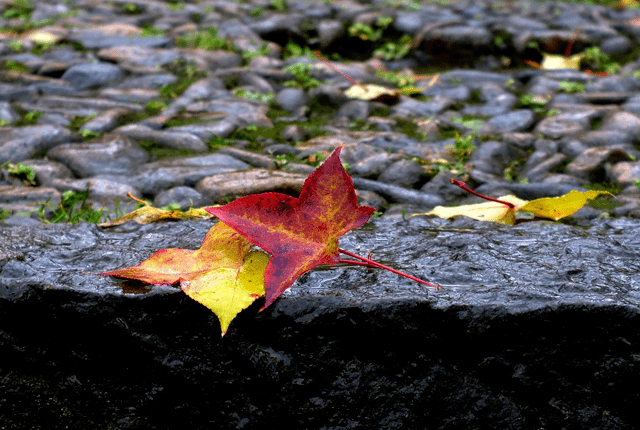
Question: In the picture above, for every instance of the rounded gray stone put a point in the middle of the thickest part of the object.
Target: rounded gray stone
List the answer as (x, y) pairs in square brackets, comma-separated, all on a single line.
[(92, 75)]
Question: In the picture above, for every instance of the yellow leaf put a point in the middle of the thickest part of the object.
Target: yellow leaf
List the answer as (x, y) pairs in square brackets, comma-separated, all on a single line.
[(229, 290), (489, 211), (559, 207), (374, 93), (551, 61), (553, 208), (149, 214)]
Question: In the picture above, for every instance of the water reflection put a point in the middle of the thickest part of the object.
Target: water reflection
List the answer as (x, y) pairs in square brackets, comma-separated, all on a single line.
[(129, 286)]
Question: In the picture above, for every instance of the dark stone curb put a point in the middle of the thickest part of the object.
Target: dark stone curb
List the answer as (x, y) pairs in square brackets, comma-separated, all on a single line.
[(537, 326)]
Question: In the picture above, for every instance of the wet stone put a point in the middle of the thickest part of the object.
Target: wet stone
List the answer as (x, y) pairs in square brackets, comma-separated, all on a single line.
[(185, 197), (624, 122), (108, 155), (101, 191), (338, 350), (91, 39), (625, 172), (25, 142), (257, 160), (7, 114), (207, 130), (152, 178), (518, 120), (169, 138), (139, 55), (410, 107), (92, 75), (524, 324), (404, 173), (596, 138), (226, 187), (47, 170), (565, 124), (492, 157), (291, 99), (590, 165), (105, 121), (372, 166)]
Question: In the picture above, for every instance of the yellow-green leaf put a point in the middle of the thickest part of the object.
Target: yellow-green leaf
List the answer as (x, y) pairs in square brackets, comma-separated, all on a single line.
[(553, 208), (559, 207), (227, 291), (149, 214)]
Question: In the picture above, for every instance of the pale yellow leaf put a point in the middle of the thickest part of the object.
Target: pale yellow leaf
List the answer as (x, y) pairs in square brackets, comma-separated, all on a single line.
[(551, 61)]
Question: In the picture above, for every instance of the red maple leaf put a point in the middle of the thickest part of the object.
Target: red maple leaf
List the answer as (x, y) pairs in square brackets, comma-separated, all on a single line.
[(299, 233)]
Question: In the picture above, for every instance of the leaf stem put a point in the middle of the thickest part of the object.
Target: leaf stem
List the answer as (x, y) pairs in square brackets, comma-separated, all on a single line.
[(332, 67), (371, 263), (469, 190)]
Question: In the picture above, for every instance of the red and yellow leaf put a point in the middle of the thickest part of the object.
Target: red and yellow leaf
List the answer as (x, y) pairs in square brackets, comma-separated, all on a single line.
[(223, 274), (299, 233), (221, 247)]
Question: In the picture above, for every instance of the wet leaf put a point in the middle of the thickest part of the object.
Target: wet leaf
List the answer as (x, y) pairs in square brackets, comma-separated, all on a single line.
[(227, 291), (551, 61), (553, 208), (148, 214), (223, 274), (299, 233), (371, 92)]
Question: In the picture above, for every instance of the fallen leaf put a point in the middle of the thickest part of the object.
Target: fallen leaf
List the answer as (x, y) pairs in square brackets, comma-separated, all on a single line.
[(148, 214), (553, 208), (227, 291), (489, 211), (299, 233), (224, 274), (371, 92), (550, 61)]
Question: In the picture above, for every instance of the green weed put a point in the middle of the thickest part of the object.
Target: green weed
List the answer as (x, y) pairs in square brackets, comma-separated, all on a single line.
[(279, 5), (394, 50), (369, 33), (19, 9), (572, 87), (150, 31), (14, 66), (72, 209), (204, 39), (25, 173), (300, 72), (174, 5), (462, 147), (293, 50), (600, 61)]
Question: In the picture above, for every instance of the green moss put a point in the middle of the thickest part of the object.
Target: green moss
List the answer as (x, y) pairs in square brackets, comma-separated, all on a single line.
[(409, 128), (154, 107), (28, 117), (381, 112), (204, 39), (14, 66), (186, 72), (614, 189), (159, 152)]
